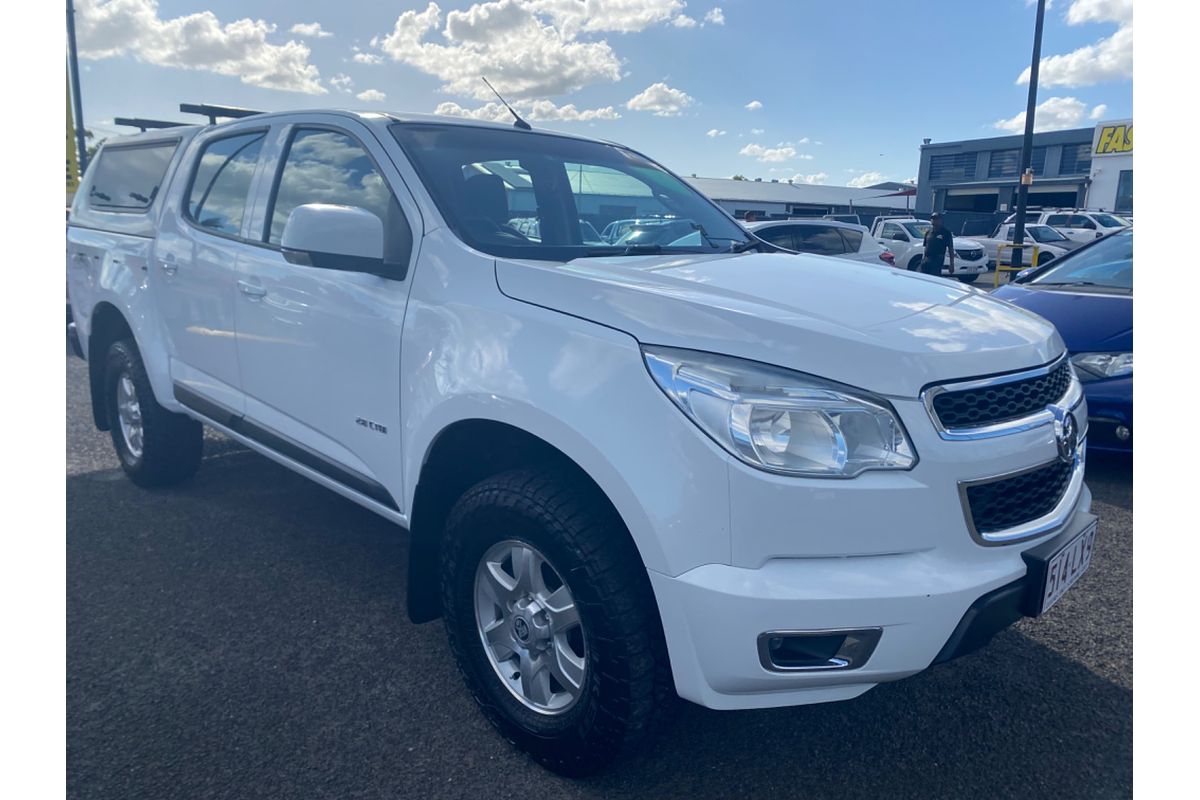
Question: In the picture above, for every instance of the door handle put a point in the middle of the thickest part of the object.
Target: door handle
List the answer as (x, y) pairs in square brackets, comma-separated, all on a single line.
[(252, 290), (167, 264)]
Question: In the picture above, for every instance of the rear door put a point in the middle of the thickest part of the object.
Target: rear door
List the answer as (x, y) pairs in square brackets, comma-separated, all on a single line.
[(194, 272), (320, 348), (821, 240), (780, 235)]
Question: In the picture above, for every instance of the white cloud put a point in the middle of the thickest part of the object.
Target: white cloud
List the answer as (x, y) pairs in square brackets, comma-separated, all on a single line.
[(867, 179), (1098, 112), (753, 105), (714, 133), (1081, 11), (616, 16), (342, 82), (1109, 59), (684, 21), (715, 17), (814, 178), (312, 30), (757, 131), (769, 154), (533, 110), (1054, 114), (526, 48), (371, 96), (663, 100), (195, 41), (368, 58)]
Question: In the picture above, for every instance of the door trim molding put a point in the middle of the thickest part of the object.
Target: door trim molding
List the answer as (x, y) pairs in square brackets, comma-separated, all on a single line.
[(279, 443)]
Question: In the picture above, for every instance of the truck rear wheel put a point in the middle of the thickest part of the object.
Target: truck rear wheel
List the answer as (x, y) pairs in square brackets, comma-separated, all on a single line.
[(156, 447), (552, 620)]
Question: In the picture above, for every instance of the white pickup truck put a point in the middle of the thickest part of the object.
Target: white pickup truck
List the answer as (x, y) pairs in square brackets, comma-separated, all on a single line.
[(905, 237), (1050, 242), (627, 472)]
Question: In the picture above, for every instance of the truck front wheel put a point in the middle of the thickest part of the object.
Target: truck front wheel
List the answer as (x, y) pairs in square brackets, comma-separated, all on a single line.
[(914, 263), (156, 447), (552, 620)]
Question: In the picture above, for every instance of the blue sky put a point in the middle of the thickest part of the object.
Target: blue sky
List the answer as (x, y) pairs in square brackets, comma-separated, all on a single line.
[(847, 89)]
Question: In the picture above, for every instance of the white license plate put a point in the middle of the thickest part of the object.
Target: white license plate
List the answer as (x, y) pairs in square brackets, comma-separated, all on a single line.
[(1067, 566)]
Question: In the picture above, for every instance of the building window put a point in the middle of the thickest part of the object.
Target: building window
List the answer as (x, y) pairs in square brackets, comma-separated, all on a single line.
[(1007, 163), (952, 167), (1076, 159), (1125, 191), (1004, 164)]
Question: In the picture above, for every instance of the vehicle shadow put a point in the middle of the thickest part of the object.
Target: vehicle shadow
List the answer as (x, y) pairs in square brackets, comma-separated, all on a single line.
[(244, 635)]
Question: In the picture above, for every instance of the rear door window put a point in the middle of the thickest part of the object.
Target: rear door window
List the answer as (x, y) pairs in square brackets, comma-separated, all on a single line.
[(326, 166), (822, 240), (128, 177), (853, 239), (780, 235), (217, 197)]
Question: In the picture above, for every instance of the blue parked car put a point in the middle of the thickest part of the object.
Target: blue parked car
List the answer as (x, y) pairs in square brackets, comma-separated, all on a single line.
[(1088, 295)]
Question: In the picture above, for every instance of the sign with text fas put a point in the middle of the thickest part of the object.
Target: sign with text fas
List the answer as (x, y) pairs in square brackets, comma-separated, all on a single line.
[(1113, 138)]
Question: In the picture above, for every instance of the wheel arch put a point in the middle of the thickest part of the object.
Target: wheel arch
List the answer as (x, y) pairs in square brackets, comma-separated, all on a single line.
[(462, 454), (108, 325)]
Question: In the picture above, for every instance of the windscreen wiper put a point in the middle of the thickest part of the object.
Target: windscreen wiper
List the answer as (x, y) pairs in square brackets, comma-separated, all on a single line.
[(1066, 283), (627, 250)]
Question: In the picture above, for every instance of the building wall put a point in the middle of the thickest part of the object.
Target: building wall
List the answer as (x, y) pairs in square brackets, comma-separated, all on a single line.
[(978, 186), (1112, 155)]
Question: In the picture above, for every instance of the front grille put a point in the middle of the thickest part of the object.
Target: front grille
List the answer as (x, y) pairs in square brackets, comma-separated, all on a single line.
[(1008, 502), (969, 255), (969, 408)]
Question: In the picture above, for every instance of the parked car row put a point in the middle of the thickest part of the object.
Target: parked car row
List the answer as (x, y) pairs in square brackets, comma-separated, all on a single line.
[(1077, 224)]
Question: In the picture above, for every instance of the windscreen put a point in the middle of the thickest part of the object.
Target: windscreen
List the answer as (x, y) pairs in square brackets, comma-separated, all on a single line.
[(1108, 264), (524, 194), (917, 229)]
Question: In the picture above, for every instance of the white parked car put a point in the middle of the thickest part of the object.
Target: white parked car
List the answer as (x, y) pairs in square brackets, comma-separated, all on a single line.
[(1078, 225), (746, 478), (823, 237), (1051, 244), (905, 237)]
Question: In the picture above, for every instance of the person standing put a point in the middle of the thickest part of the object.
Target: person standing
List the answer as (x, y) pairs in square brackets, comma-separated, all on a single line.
[(938, 242)]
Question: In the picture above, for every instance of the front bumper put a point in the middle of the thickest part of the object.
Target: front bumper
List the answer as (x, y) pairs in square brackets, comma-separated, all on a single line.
[(713, 617), (964, 267), (1110, 414)]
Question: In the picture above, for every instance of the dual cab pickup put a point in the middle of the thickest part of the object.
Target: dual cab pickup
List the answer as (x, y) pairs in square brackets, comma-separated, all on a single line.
[(699, 468)]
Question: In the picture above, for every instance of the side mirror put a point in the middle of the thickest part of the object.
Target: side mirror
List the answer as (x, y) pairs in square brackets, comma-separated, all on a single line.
[(344, 238), (898, 237)]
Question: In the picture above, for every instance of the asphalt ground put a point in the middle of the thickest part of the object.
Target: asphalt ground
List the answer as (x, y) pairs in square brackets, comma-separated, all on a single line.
[(244, 636)]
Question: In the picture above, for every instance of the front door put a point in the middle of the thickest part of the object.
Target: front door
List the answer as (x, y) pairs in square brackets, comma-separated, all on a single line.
[(194, 266), (319, 349)]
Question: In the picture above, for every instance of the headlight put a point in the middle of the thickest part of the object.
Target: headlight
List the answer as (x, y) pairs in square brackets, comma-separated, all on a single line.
[(1094, 366), (782, 421)]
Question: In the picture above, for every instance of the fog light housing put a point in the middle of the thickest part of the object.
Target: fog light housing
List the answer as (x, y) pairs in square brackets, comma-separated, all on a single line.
[(813, 651)]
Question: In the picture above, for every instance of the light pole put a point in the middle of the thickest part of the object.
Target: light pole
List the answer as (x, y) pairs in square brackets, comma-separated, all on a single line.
[(1027, 144), (73, 63)]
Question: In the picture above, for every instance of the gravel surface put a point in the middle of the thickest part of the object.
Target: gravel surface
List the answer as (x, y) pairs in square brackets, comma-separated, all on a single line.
[(244, 636)]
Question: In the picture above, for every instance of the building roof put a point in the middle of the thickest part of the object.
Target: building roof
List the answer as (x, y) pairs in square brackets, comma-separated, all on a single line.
[(730, 190)]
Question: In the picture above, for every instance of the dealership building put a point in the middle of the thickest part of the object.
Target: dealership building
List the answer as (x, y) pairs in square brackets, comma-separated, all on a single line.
[(1084, 167)]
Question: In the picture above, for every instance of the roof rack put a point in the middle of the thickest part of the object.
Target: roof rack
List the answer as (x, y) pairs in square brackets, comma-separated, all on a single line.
[(146, 124), (215, 112)]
